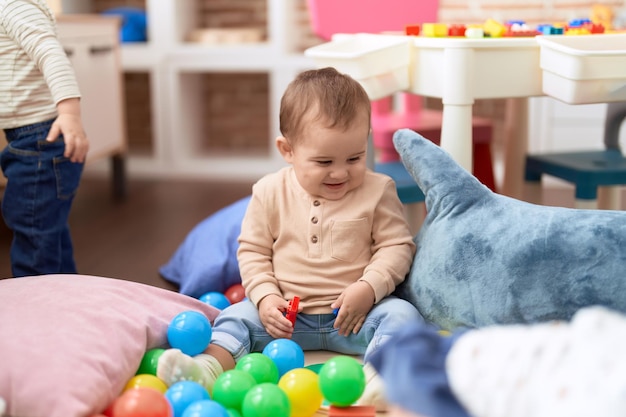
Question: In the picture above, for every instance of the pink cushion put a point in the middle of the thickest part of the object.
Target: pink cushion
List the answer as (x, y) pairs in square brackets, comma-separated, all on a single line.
[(70, 343)]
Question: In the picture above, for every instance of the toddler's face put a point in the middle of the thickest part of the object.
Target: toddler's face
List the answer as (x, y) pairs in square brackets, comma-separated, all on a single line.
[(329, 163)]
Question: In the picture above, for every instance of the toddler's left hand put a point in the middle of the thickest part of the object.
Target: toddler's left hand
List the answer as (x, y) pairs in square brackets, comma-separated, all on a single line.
[(69, 123), (354, 303)]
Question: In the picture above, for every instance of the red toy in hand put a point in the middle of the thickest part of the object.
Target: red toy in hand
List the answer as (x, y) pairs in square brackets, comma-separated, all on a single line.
[(292, 310)]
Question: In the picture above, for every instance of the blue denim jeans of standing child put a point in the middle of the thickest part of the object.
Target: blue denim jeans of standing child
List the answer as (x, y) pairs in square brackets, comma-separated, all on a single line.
[(239, 330), (37, 200)]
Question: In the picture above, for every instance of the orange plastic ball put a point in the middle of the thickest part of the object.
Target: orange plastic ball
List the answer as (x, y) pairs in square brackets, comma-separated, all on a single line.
[(142, 402)]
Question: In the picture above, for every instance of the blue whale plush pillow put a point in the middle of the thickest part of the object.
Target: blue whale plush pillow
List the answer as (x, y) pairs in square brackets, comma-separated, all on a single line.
[(484, 258)]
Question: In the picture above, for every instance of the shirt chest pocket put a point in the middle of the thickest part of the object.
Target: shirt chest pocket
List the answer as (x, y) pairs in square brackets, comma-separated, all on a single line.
[(349, 238)]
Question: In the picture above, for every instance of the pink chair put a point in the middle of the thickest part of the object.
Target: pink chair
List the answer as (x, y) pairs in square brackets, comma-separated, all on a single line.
[(386, 120), (369, 16)]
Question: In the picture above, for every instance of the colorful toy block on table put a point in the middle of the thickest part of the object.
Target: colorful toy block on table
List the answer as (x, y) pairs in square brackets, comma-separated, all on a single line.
[(547, 29), (435, 30), (583, 27), (456, 30), (474, 32), (412, 30), (493, 28), (597, 28), (519, 29)]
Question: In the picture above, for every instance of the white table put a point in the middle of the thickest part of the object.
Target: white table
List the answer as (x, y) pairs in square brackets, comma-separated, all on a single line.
[(461, 70), (457, 70)]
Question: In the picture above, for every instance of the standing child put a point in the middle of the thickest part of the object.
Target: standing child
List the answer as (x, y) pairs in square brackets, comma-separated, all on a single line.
[(325, 229), (40, 115)]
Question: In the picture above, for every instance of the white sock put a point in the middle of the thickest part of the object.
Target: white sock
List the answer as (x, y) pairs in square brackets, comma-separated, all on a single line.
[(176, 366), (374, 393)]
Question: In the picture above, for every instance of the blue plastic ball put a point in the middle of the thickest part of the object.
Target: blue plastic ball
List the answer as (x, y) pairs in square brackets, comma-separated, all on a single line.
[(215, 299), (205, 408), (190, 332), (286, 354), (183, 393)]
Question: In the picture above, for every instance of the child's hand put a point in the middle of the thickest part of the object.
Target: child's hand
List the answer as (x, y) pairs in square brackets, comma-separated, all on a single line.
[(354, 303), (68, 123), (271, 310)]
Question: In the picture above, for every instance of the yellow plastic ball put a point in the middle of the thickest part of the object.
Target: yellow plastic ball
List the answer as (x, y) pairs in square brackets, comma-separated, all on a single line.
[(302, 388), (146, 381)]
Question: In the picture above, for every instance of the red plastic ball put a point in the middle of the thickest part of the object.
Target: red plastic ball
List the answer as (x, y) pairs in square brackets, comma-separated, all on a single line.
[(235, 294), (142, 402)]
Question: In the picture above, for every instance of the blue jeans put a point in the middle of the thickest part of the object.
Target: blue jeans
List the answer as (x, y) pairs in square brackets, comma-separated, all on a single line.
[(239, 330), (37, 200)]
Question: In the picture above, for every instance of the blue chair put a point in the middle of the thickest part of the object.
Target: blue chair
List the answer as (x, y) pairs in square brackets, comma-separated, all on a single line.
[(408, 191), (587, 170)]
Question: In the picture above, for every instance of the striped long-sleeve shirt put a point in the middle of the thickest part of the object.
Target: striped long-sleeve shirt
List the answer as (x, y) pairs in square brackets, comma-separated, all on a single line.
[(35, 73)]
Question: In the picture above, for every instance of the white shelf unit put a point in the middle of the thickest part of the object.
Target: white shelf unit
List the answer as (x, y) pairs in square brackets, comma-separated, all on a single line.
[(175, 68), (555, 126)]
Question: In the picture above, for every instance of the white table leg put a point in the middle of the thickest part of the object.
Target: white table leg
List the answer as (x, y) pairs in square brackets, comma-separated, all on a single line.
[(458, 99), (456, 134)]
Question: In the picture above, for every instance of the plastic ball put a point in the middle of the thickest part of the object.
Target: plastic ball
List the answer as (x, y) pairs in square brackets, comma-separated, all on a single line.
[(265, 400), (286, 354), (205, 408), (303, 391), (231, 387), (142, 402), (215, 299), (108, 412), (342, 380), (235, 293), (233, 413), (146, 381), (183, 393), (190, 332), (260, 366), (149, 362)]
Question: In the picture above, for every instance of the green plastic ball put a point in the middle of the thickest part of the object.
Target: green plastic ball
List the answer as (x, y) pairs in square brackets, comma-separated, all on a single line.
[(260, 366), (266, 400), (231, 387), (149, 362), (342, 380), (233, 413)]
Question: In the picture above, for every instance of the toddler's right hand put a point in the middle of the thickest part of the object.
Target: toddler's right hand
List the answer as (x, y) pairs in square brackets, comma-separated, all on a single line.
[(271, 309)]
